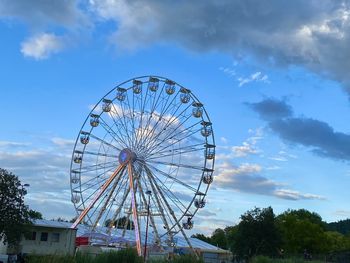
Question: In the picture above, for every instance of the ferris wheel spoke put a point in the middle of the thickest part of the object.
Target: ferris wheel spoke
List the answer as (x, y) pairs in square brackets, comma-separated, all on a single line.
[(142, 109), (123, 124), (170, 136), (148, 214), (104, 142), (117, 137), (177, 151), (177, 140), (85, 169), (98, 168), (99, 154), (171, 211), (153, 139), (176, 165), (166, 190), (121, 205), (173, 178), (162, 113), (107, 201), (100, 192), (159, 202), (94, 178), (128, 121), (153, 108)]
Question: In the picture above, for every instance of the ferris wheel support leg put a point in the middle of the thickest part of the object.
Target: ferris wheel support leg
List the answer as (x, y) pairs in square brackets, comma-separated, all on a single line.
[(134, 211), (118, 211), (107, 200), (172, 213), (97, 196), (127, 222), (158, 203), (149, 214)]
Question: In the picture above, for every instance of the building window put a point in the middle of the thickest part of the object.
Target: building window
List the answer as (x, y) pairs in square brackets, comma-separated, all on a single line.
[(44, 236), (55, 237), (31, 236)]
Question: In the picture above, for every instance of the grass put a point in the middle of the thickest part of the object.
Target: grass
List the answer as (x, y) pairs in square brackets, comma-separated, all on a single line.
[(263, 259), (122, 256)]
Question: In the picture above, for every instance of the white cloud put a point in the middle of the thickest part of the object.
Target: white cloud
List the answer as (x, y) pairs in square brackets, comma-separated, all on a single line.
[(295, 195), (8, 144), (248, 178), (62, 142), (254, 77), (249, 146), (42, 46)]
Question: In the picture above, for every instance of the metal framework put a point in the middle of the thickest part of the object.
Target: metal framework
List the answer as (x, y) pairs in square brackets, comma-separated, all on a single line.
[(147, 135)]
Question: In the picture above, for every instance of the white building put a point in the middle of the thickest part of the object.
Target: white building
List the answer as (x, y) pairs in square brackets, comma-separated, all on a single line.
[(47, 237)]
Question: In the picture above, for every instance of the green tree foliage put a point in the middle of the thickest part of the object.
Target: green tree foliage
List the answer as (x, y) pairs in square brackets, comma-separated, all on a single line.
[(120, 223), (342, 226), (34, 214), (231, 232), (14, 214), (218, 238), (257, 234), (302, 230), (335, 241)]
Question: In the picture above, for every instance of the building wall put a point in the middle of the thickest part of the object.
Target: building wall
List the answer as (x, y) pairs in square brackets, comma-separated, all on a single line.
[(49, 241)]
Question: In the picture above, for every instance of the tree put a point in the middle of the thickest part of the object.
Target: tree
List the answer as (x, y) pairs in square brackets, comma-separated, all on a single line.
[(120, 223), (34, 214), (230, 233), (14, 214), (257, 234), (302, 230), (218, 238)]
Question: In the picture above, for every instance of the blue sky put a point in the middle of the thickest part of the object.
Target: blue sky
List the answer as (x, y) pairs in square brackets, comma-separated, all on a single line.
[(273, 78)]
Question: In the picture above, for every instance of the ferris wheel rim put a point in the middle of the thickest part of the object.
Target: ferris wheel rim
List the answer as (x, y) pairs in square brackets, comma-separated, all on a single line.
[(91, 129)]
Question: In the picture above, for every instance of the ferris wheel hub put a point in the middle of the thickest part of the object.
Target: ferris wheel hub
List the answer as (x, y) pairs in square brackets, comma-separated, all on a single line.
[(126, 155)]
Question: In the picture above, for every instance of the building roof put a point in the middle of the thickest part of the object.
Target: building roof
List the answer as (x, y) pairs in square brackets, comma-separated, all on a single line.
[(84, 230)]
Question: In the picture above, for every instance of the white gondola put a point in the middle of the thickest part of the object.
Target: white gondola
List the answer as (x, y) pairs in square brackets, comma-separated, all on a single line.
[(106, 105), (94, 120), (75, 176), (153, 84), (199, 203), (78, 157), (208, 176), (207, 129), (209, 152), (169, 87), (75, 197), (185, 98), (137, 86), (197, 111), (121, 94), (188, 223), (84, 138)]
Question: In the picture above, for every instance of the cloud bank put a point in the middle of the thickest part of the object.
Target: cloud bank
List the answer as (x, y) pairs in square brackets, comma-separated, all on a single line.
[(317, 135), (311, 34), (247, 178)]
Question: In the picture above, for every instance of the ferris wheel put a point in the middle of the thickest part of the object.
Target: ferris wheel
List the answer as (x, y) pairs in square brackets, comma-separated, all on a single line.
[(143, 157)]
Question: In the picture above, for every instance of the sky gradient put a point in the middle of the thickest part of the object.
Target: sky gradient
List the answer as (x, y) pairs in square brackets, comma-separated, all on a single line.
[(273, 76)]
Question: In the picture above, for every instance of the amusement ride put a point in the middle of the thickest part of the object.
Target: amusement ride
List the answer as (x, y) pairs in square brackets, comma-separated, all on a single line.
[(144, 157)]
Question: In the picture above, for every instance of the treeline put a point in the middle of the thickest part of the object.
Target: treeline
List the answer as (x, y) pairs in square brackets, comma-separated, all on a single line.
[(261, 232)]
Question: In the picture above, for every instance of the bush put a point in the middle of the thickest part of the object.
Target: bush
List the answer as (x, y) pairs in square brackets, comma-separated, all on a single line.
[(50, 259), (121, 256), (261, 259), (187, 259)]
